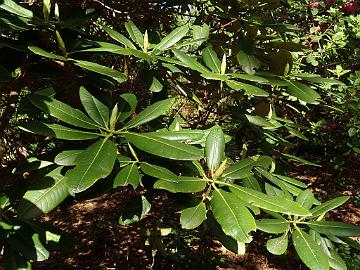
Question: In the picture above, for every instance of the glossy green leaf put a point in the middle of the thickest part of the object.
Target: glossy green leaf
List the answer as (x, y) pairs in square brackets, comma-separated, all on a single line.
[(172, 38), (260, 121), (14, 8), (291, 181), (249, 89), (190, 61), (135, 33), (46, 54), (306, 199), (63, 112), (67, 158), (156, 85), (183, 184), (94, 108), (214, 76), (118, 37), (47, 193), (95, 162), (129, 175), (277, 246), (214, 148), (192, 217), (334, 228), (200, 33), (273, 225), (303, 92), (329, 205), (181, 135), (164, 148), (251, 78), (211, 59), (314, 78), (31, 164), (157, 171), (309, 251), (57, 131), (103, 70), (301, 160), (135, 211), (234, 218), (151, 112), (248, 62), (275, 204), (240, 169), (126, 104), (251, 182)]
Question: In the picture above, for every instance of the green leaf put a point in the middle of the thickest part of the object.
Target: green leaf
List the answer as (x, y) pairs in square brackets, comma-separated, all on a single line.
[(47, 193), (192, 217), (278, 245), (126, 104), (306, 199), (57, 131), (249, 89), (276, 204), (211, 59), (200, 33), (318, 79), (156, 85), (273, 225), (31, 164), (291, 181), (228, 242), (181, 135), (67, 158), (164, 148), (234, 218), (214, 76), (251, 78), (16, 9), (14, 261), (135, 211), (94, 107), (172, 38), (334, 228), (240, 169), (336, 262), (157, 171), (151, 112), (135, 33), (46, 54), (103, 70), (190, 61), (309, 251), (63, 112), (248, 62), (214, 148), (260, 121), (303, 92), (329, 205), (183, 184), (95, 162), (298, 159), (129, 175), (118, 37)]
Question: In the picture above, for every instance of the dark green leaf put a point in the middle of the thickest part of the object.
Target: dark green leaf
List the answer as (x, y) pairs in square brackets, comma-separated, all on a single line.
[(118, 37), (190, 61), (94, 108), (182, 184), (103, 70), (151, 112), (181, 135), (95, 162), (127, 104), (303, 92), (67, 158), (273, 225), (57, 131), (214, 148), (329, 205), (234, 218), (192, 217), (172, 38), (164, 148), (47, 193), (240, 169), (306, 199), (334, 228), (249, 89), (129, 175), (63, 111), (135, 33), (157, 171), (278, 245), (46, 54), (135, 211), (211, 59), (16, 9), (309, 251)]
